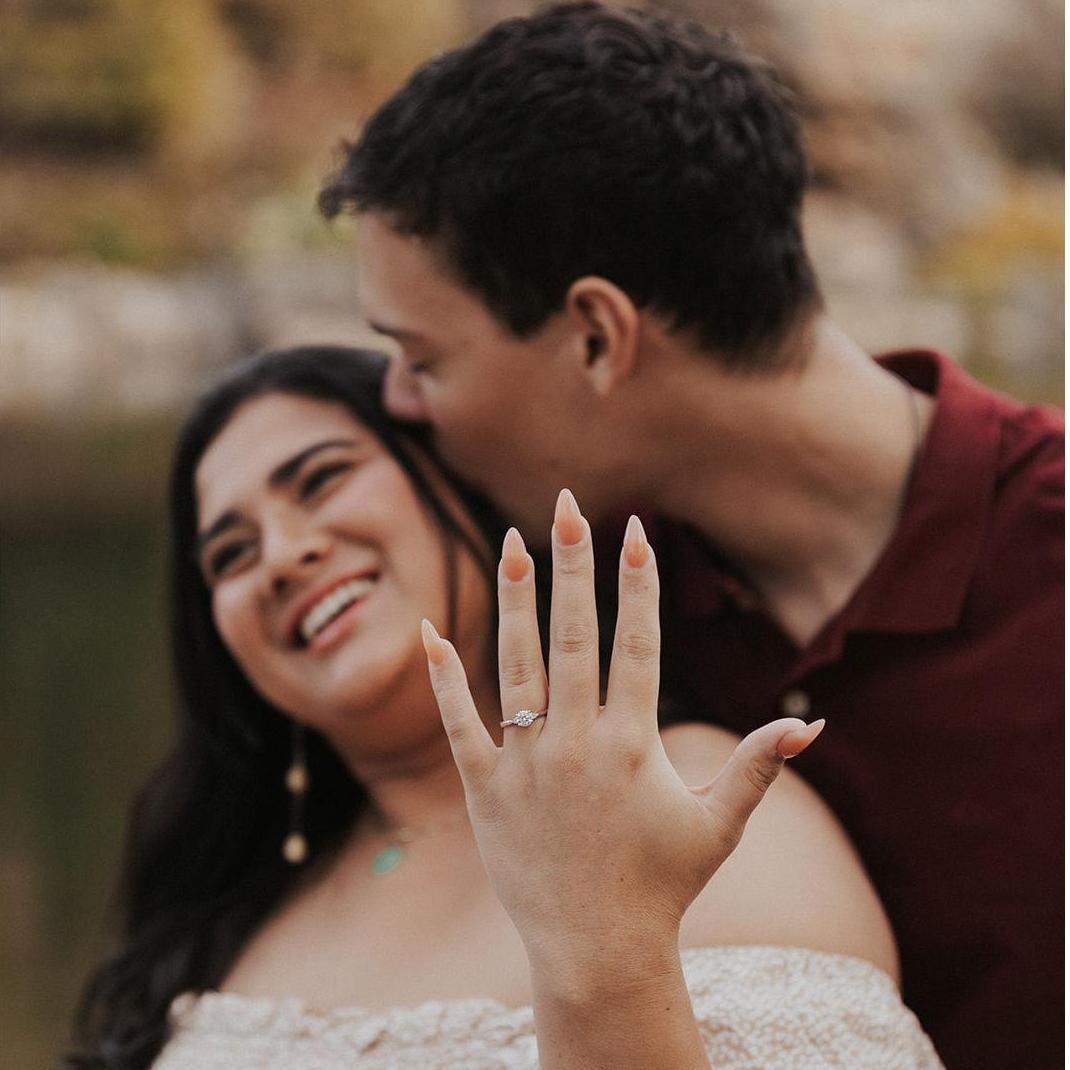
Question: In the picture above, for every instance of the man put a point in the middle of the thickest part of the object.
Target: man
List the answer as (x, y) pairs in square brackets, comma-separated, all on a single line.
[(582, 231)]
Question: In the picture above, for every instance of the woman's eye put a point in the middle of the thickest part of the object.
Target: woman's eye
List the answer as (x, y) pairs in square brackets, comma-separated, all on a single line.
[(314, 480), (223, 558)]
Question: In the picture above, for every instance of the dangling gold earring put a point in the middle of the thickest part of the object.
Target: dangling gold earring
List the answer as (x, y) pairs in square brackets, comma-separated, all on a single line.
[(295, 846)]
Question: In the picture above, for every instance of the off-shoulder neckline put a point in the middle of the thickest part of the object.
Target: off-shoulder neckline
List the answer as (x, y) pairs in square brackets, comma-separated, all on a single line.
[(294, 1009)]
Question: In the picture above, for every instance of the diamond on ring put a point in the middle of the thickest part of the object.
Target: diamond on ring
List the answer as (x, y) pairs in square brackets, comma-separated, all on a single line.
[(524, 718)]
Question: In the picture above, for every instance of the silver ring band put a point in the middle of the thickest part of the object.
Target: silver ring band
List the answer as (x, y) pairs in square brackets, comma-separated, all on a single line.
[(524, 718)]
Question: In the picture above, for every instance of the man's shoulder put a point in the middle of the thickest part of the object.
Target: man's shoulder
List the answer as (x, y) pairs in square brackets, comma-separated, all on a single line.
[(1029, 489), (999, 459), (1023, 554), (1017, 575), (1032, 448)]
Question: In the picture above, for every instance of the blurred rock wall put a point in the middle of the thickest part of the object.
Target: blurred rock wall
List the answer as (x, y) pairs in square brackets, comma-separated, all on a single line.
[(160, 159)]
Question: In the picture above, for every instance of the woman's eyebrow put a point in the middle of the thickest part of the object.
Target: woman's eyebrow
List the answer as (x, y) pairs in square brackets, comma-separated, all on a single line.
[(228, 520), (288, 469), (279, 477)]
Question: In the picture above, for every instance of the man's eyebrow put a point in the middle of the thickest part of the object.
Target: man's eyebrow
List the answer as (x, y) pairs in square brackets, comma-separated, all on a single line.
[(279, 477), (402, 333)]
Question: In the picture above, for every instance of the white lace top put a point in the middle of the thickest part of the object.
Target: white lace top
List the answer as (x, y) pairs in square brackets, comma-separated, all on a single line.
[(758, 1008)]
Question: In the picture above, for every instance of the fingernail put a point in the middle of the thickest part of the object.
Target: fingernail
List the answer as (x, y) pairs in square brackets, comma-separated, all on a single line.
[(568, 520), (433, 645), (514, 556), (795, 741), (635, 544)]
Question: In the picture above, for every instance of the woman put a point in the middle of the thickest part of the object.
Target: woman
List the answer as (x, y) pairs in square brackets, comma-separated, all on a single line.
[(310, 538)]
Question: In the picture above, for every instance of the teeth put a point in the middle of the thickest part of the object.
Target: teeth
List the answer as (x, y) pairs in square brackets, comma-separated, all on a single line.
[(333, 603)]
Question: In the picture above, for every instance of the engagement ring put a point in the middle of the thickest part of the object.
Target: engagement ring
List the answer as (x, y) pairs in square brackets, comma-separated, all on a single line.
[(524, 718)]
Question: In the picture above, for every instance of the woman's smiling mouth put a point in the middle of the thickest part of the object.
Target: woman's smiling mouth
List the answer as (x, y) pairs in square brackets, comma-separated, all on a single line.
[(313, 620)]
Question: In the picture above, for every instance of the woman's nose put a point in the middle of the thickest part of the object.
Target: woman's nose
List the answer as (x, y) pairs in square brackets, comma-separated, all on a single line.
[(292, 554), (402, 396)]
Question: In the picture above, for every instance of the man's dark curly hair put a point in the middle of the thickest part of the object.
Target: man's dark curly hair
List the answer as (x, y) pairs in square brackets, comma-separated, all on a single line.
[(586, 140)]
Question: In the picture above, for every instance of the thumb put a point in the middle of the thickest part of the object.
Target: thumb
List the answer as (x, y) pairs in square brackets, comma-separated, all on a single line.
[(755, 763)]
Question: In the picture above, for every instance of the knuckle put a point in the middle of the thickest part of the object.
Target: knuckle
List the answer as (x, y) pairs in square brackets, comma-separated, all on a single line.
[(631, 750), (729, 834), (636, 644), (518, 671), (451, 695), (640, 582), (573, 560), (568, 762), (514, 598), (575, 637), (447, 686), (761, 774), (456, 733)]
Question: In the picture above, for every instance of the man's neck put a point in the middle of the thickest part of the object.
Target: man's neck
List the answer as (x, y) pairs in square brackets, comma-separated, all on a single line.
[(797, 476)]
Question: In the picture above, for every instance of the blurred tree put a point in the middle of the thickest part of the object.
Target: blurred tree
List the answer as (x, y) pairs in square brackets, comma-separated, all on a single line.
[(348, 36), (91, 77)]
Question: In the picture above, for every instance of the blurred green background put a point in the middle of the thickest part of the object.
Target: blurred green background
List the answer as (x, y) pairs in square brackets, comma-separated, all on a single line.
[(158, 166)]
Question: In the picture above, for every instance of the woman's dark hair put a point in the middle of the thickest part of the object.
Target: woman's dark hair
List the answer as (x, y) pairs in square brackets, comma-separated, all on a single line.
[(588, 140), (202, 866)]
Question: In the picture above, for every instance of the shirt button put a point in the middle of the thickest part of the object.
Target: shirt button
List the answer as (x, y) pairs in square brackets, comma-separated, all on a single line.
[(747, 601), (795, 703)]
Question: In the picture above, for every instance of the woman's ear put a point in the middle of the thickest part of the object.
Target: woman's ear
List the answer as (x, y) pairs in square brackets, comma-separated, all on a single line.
[(607, 323)]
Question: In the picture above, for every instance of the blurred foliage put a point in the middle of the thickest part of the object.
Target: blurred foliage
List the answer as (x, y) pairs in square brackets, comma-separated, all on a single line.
[(1027, 114), (83, 661), (1028, 225), (345, 35), (58, 209), (113, 473), (113, 75), (144, 131)]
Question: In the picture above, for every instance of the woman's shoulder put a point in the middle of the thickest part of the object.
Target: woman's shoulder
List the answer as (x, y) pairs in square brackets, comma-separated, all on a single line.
[(795, 880), (778, 1007), (798, 1007)]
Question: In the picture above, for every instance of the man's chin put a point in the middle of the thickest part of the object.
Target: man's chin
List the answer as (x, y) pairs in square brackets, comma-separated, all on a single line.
[(533, 518), (531, 511)]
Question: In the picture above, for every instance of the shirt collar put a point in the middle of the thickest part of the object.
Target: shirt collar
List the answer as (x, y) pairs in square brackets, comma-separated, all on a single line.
[(919, 584)]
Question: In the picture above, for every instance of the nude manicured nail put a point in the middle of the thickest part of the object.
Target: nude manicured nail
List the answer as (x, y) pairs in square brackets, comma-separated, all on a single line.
[(635, 544), (568, 520), (514, 556), (436, 649), (793, 743)]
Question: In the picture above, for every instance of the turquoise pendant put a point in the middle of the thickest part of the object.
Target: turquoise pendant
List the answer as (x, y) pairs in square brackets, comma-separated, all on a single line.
[(387, 859)]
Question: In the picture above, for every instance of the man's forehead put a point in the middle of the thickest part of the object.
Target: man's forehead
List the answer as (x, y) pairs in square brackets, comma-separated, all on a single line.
[(404, 289), (388, 258)]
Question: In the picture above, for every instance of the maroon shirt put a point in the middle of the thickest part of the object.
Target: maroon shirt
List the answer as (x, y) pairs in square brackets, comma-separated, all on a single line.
[(942, 684)]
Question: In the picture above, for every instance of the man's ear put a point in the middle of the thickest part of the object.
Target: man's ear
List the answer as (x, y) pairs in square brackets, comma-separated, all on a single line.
[(607, 325)]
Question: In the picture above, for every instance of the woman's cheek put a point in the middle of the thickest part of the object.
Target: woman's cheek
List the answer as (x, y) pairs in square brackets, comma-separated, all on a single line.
[(233, 624)]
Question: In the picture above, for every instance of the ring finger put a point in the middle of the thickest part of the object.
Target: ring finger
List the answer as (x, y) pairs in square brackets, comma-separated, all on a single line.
[(521, 669)]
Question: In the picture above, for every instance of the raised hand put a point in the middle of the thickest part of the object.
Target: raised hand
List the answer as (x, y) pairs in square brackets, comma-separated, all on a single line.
[(585, 828)]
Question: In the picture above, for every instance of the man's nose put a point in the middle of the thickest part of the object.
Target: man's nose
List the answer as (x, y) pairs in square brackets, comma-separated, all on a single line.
[(402, 397)]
